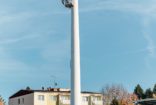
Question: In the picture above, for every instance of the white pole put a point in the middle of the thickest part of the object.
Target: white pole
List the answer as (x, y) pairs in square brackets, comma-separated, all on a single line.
[(75, 57)]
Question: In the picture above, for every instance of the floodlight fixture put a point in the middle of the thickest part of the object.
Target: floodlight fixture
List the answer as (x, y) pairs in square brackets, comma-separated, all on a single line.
[(67, 3)]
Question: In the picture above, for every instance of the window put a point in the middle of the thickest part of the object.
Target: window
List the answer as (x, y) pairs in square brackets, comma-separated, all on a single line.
[(22, 100), (18, 101), (53, 98), (85, 99), (65, 97), (41, 97), (96, 98)]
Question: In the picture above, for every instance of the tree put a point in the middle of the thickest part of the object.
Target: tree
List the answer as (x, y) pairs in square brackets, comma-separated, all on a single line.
[(130, 100), (114, 91), (2, 102), (139, 92), (114, 102), (154, 89), (148, 93)]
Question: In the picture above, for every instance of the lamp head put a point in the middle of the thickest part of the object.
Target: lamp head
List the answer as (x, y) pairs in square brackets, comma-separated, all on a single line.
[(67, 3)]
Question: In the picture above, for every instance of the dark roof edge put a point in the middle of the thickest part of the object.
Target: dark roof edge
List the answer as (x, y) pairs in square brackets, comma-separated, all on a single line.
[(91, 92), (25, 92), (21, 93)]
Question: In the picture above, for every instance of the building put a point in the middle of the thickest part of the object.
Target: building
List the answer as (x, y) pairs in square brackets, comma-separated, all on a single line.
[(52, 96), (148, 101)]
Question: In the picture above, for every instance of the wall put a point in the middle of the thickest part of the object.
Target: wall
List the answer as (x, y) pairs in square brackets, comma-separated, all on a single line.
[(28, 100)]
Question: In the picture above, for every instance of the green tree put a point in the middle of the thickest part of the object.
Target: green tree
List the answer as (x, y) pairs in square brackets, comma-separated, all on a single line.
[(115, 102), (139, 92), (148, 93), (154, 89)]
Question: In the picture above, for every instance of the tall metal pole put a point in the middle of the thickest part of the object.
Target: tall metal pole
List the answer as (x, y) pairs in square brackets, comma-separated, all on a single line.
[(75, 57), (75, 52)]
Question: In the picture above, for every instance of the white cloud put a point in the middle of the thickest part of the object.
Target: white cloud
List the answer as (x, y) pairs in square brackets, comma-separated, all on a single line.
[(17, 39), (147, 35), (19, 35), (146, 9), (8, 64), (141, 7)]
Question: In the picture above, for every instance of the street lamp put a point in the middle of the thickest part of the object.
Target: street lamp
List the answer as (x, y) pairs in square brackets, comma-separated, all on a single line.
[(75, 52)]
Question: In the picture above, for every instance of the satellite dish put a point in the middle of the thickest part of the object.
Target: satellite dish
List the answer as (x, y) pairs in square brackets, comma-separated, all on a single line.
[(67, 3)]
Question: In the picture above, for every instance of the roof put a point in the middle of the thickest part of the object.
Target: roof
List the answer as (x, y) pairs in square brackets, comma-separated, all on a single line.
[(51, 90), (21, 93), (149, 101)]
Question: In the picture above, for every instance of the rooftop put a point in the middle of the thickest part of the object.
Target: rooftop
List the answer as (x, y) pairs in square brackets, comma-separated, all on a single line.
[(149, 101), (52, 90)]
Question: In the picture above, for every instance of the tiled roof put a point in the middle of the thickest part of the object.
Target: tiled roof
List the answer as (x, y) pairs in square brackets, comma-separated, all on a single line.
[(52, 90)]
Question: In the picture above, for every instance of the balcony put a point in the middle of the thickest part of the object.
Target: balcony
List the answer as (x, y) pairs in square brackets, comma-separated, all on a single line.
[(66, 102)]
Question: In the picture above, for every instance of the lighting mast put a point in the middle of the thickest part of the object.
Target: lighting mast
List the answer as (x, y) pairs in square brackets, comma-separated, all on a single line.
[(75, 52)]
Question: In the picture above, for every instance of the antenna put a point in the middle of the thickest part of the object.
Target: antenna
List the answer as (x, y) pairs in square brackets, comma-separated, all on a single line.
[(67, 3), (55, 83)]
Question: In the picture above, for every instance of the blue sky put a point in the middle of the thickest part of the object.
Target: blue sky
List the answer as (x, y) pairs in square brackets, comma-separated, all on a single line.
[(117, 44)]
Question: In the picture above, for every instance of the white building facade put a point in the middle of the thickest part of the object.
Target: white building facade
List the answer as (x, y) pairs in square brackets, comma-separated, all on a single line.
[(52, 96)]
